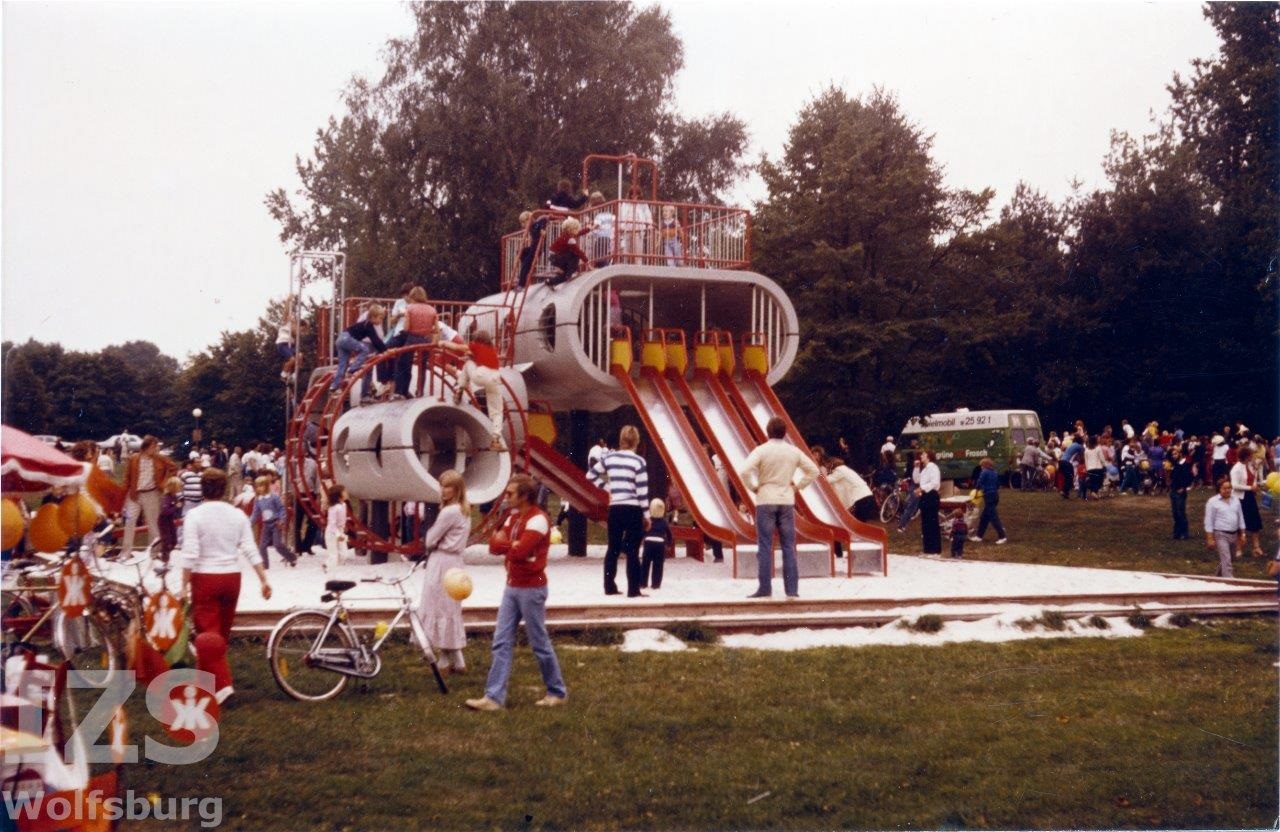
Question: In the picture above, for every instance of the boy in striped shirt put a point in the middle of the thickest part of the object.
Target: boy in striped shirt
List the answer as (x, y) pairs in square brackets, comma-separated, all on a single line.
[(624, 474)]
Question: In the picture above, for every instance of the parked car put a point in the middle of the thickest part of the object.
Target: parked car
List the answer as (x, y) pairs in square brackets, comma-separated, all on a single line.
[(132, 441)]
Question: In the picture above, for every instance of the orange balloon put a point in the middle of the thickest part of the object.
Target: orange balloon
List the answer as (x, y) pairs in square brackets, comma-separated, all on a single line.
[(47, 534), (107, 492), (13, 525), (77, 514)]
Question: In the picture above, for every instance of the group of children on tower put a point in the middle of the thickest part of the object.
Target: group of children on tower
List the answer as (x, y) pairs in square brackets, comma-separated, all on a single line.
[(566, 253), (414, 321)]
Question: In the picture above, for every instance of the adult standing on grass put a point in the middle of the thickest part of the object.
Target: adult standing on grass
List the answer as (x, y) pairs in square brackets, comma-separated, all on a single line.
[(1224, 526), (989, 485), (927, 489), (216, 533), (1073, 454), (144, 475), (1244, 487), (1095, 466), (1180, 481), (523, 540), (625, 475), (770, 472), (440, 614)]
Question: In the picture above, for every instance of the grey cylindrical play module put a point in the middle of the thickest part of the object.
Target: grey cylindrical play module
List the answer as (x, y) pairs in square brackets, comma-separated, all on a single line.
[(398, 450)]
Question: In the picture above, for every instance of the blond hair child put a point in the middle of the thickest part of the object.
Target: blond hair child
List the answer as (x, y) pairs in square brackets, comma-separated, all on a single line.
[(657, 541)]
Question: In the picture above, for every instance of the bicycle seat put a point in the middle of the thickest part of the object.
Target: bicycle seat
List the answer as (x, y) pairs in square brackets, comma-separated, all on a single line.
[(338, 586)]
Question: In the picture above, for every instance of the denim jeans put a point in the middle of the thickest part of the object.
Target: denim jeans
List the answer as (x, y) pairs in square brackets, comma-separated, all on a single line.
[(530, 604), (782, 520), (909, 513), (990, 517), (404, 363), (348, 347)]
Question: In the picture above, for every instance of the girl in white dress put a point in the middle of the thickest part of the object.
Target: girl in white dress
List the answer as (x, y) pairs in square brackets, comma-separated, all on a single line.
[(335, 528), (441, 616)]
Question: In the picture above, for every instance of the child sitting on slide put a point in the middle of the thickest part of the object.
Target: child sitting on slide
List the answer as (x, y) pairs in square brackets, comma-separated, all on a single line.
[(481, 368)]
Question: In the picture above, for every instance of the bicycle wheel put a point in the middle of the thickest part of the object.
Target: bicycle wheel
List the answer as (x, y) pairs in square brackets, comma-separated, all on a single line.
[(293, 641), (889, 508), (86, 642), (20, 617)]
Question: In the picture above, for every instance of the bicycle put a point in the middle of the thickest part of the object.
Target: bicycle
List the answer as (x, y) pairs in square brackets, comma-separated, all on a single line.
[(33, 619), (314, 652), (893, 501)]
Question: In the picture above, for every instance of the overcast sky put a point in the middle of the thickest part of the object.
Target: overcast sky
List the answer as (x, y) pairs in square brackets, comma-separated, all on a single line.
[(139, 139)]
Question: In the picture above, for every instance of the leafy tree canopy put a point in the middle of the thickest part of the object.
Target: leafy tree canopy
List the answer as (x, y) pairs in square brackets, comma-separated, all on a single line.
[(477, 116)]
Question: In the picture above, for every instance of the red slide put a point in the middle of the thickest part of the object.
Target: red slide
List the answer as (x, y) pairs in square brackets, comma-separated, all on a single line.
[(712, 507), (564, 478), (758, 403), (732, 441)]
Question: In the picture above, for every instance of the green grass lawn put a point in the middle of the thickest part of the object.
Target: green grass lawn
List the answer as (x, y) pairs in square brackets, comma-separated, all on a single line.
[(1176, 728), (1119, 533)]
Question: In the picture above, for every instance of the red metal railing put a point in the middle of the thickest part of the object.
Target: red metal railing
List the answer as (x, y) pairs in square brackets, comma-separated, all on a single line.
[(645, 232)]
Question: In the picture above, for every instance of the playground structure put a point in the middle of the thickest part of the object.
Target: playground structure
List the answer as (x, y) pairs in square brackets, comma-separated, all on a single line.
[(670, 321)]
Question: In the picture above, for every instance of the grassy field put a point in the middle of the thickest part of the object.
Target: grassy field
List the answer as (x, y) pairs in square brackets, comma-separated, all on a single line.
[(1176, 728), (1119, 533)]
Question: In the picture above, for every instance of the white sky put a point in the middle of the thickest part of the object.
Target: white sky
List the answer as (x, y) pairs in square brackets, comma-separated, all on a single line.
[(139, 139)]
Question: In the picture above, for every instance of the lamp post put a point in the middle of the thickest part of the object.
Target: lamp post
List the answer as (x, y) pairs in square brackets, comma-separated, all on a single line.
[(196, 433)]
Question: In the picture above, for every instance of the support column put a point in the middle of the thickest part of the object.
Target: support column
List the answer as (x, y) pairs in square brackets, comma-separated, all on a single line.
[(379, 524), (579, 447)]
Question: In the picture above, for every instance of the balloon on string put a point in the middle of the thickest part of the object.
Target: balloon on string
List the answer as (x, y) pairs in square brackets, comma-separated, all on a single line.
[(457, 584), (47, 534), (77, 514), (1273, 483), (13, 525)]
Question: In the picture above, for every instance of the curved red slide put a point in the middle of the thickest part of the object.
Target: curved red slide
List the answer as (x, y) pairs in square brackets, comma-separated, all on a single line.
[(564, 478), (706, 498), (758, 404)]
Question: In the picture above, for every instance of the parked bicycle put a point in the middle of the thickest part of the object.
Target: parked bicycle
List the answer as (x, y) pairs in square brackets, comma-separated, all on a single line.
[(314, 652)]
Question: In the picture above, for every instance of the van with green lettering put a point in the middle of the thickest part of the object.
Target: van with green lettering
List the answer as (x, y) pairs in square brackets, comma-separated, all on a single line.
[(962, 438)]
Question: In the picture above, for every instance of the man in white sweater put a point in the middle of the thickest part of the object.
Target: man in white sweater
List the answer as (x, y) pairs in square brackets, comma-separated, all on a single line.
[(770, 473)]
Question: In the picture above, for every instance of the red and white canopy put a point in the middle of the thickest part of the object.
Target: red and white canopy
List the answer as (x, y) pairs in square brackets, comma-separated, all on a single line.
[(27, 464)]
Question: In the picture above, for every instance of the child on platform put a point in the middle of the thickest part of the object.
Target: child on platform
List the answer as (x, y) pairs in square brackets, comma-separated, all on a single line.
[(335, 528), (656, 542), (269, 509), (671, 230), (959, 531)]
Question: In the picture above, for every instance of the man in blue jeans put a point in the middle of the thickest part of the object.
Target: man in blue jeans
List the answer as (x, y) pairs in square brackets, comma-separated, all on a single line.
[(770, 472), (523, 541)]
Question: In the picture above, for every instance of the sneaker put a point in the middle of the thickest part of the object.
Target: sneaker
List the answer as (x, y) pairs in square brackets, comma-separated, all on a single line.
[(222, 695), (1002, 540), (758, 594), (793, 597), (548, 701), (974, 539), (484, 703)]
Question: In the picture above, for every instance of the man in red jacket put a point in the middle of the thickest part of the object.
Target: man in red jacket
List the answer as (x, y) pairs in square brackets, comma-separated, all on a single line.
[(523, 540)]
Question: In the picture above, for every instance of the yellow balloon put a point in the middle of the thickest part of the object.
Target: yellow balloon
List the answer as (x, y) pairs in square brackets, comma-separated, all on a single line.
[(457, 584), (13, 525), (77, 514), (47, 534), (1273, 483), (1050, 470), (1144, 465), (556, 536)]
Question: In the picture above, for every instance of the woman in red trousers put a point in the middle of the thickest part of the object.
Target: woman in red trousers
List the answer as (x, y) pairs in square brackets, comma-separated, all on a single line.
[(216, 535)]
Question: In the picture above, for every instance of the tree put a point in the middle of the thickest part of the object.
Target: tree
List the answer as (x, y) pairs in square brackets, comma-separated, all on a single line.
[(860, 231), (1226, 114), (477, 116), (26, 403)]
